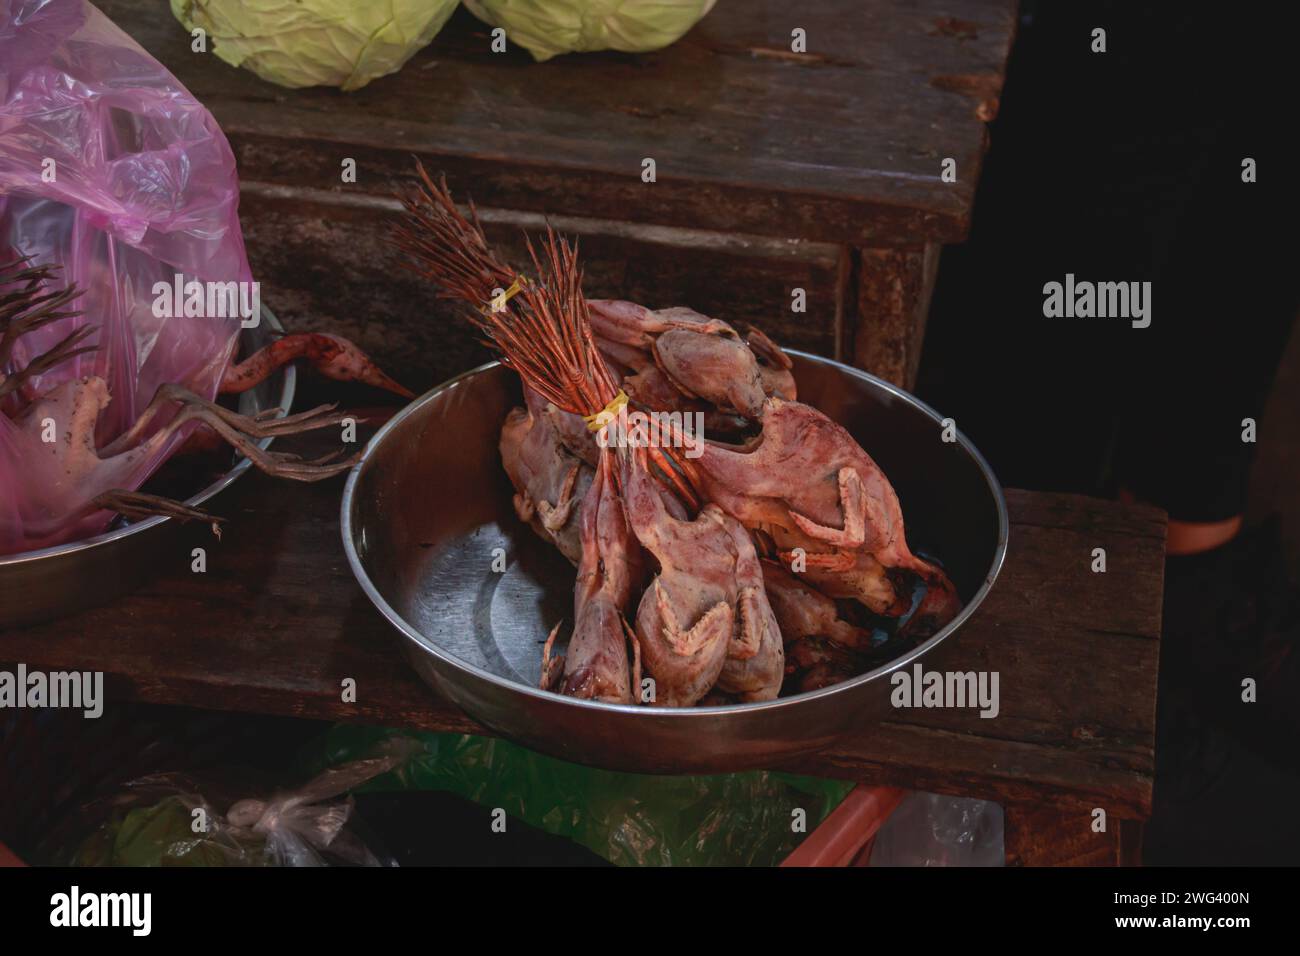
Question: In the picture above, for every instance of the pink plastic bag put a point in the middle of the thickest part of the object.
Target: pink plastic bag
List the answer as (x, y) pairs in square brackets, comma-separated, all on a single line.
[(110, 169)]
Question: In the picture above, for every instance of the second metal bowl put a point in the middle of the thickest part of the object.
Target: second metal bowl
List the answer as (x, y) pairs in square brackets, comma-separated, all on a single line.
[(431, 535), (54, 582)]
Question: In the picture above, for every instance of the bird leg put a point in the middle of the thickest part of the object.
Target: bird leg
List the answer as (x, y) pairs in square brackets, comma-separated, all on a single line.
[(65, 349), (331, 355), (714, 625), (242, 432), (556, 516), (853, 503), (26, 309), (139, 504), (552, 665)]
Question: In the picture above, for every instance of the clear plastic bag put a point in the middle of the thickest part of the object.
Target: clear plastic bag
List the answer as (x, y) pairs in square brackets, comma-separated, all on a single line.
[(177, 820), (931, 829), (112, 171)]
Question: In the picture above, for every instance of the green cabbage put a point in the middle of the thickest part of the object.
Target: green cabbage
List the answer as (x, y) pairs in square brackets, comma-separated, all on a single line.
[(549, 27), (343, 43)]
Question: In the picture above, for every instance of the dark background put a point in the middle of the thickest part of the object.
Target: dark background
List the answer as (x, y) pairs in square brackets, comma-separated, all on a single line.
[(1126, 166)]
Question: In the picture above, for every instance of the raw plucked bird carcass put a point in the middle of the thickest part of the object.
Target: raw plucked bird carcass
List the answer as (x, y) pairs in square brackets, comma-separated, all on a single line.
[(62, 481), (124, 283), (714, 572)]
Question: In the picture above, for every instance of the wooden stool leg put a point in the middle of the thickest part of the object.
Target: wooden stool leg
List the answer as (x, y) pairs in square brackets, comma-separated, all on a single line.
[(1047, 836), (893, 301)]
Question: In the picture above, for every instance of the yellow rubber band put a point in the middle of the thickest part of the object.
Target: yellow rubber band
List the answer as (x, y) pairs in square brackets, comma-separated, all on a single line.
[(500, 301), (607, 414)]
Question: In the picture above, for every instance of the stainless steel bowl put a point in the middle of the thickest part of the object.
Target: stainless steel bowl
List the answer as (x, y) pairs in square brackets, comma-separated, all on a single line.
[(428, 506), (54, 582)]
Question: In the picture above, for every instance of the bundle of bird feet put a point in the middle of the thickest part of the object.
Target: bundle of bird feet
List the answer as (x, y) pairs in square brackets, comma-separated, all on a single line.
[(766, 559)]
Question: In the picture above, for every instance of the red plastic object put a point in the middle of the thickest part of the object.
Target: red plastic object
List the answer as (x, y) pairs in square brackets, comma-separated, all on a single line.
[(7, 857), (853, 824)]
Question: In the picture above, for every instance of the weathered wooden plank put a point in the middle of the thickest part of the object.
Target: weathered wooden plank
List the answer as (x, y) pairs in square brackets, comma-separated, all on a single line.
[(1088, 515), (892, 304), (971, 765), (277, 623), (326, 263), (842, 144), (1063, 588), (1037, 835)]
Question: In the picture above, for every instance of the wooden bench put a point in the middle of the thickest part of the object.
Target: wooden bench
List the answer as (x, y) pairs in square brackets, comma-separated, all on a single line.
[(775, 171), (277, 623)]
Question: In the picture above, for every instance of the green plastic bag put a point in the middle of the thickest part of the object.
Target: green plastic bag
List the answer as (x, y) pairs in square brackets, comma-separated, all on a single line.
[(225, 819), (629, 819), (162, 835)]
